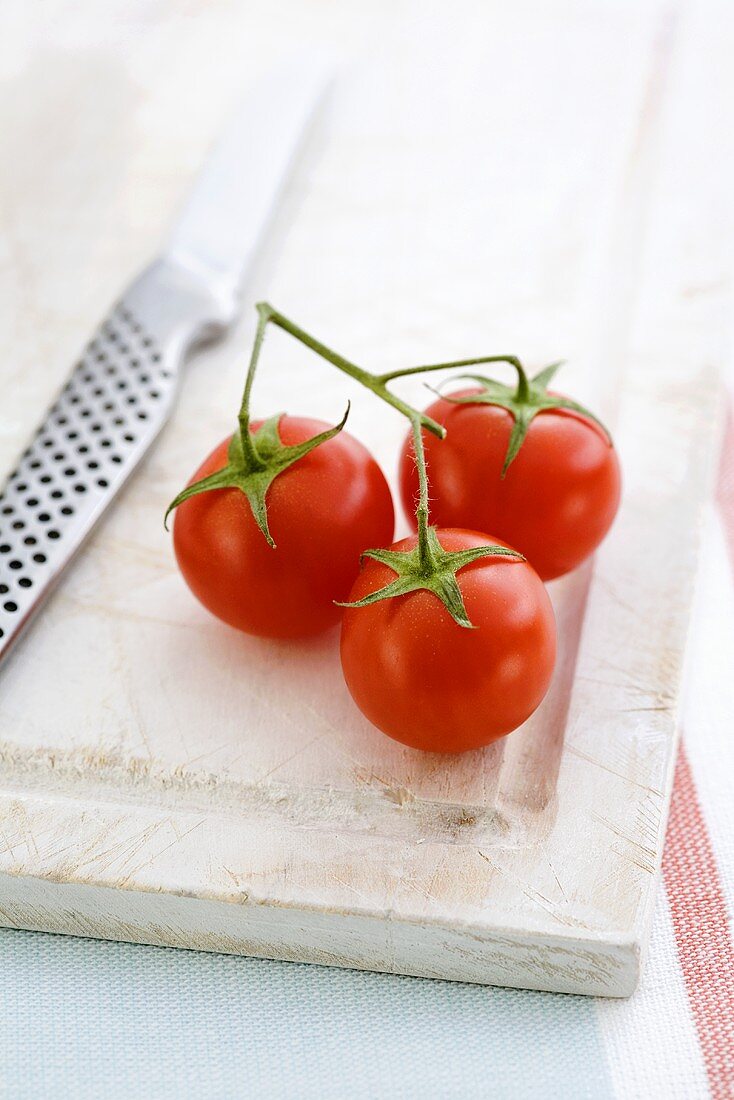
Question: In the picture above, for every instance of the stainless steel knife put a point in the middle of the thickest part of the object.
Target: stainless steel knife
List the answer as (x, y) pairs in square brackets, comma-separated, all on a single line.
[(122, 390)]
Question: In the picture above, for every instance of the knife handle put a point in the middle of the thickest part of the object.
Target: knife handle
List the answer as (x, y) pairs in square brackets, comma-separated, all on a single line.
[(114, 404)]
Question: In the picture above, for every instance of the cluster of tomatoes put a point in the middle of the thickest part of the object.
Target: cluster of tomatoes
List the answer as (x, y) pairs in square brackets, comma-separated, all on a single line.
[(447, 637)]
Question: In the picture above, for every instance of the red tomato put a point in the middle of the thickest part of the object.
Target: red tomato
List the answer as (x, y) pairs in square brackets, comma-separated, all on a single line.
[(555, 503), (434, 685), (323, 512)]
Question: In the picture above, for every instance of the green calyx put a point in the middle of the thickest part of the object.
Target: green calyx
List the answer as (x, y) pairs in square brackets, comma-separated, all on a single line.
[(524, 402), (255, 459), (428, 566)]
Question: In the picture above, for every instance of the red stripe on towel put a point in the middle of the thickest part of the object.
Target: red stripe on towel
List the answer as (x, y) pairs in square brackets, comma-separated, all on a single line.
[(701, 927)]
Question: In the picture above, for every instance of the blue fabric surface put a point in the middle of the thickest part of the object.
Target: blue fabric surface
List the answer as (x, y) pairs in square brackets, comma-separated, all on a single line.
[(87, 1019)]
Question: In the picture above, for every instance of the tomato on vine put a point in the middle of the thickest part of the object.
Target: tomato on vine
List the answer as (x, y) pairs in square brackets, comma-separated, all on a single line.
[(281, 580), (449, 640), (528, 465), (431, 683)]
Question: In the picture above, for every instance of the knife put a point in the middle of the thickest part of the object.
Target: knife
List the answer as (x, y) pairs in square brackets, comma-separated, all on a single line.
[(122, 390)]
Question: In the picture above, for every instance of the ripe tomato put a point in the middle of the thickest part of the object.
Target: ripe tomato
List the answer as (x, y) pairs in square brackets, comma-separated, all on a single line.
[(557, 499), (434, 685), (323, 511)]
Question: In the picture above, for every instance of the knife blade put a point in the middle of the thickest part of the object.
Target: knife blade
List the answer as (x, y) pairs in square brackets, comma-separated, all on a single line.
[(220, 227), (122, 390)]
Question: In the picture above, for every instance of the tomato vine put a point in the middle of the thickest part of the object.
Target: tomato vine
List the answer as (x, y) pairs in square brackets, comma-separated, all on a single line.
[(256, 459)]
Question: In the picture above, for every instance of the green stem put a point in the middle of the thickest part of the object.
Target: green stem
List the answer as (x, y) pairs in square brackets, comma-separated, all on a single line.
[(425, 556), (375, 383), (390, 376), (522, 394), (249, 450)]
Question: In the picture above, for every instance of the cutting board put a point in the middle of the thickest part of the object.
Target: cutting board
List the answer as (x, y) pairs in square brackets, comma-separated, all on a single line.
[(488, 179)]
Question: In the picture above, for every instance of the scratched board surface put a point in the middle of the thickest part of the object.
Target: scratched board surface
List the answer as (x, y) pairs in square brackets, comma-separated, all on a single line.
[(533, 198)]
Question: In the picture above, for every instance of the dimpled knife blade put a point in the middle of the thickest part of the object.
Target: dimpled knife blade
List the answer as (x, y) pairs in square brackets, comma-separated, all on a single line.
[(122, 390)]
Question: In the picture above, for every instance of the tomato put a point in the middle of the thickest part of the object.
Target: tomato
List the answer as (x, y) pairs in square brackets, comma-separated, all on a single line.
[(322, 511), (557, 499), (432, 684)]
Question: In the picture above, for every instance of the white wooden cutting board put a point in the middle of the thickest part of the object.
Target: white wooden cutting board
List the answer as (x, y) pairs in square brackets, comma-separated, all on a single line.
[(532, 178)]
